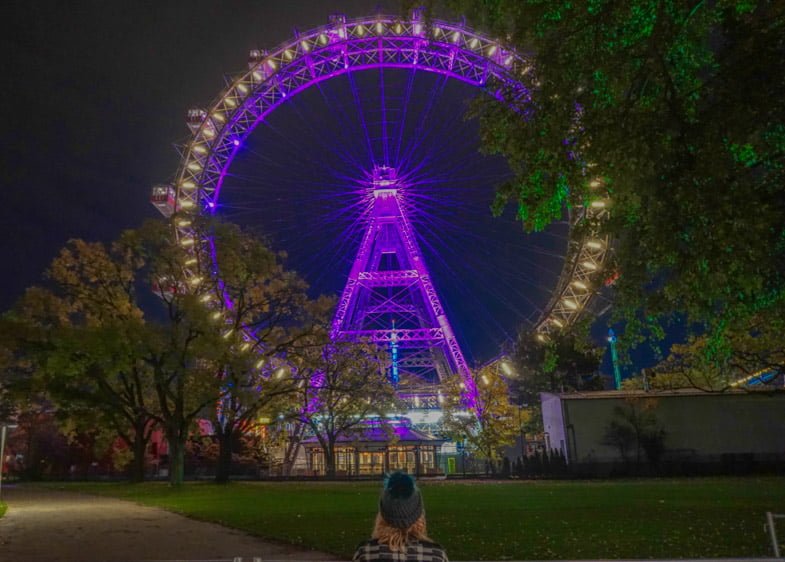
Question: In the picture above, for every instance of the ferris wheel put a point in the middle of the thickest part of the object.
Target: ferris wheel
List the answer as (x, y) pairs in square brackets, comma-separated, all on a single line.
[(362, 155)]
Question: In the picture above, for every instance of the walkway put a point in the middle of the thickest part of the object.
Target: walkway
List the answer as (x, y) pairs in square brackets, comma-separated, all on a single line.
[(50, 525)]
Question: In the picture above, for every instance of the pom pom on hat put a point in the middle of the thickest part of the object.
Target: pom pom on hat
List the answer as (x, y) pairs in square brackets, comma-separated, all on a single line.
[(399, 485), (401, 501)]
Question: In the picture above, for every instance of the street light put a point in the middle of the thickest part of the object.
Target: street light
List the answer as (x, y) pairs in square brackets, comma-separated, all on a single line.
[(463, 454), (510, 372), (2, 453)]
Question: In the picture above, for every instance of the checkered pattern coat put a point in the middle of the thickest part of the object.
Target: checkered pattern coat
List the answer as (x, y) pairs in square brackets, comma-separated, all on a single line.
[(416, 551)]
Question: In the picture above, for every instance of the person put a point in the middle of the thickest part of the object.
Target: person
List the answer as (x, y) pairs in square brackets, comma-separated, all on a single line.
[(400, 534)]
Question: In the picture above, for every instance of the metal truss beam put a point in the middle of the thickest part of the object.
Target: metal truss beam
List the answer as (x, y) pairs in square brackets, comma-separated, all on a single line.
[(343, 46)]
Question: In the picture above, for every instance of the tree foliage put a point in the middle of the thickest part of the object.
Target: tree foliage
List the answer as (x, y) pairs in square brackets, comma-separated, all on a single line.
[(753, 353), (681, 117), (340, 387), (634, 432), (491, 425), (109, 353), (567, 362), (267, 311)]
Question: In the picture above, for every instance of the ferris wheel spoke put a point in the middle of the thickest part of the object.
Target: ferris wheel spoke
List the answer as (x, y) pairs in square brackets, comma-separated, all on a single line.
[(345, 119), (359, 111), (435, 230), (402, 121), (442, 140), (299, 156), (468, 292), (332, 134), (337, 123), (385, 147), (419, 130)]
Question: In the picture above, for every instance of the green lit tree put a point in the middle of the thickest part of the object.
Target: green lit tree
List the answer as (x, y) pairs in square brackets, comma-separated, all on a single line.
[(752, 353), (682, 122)]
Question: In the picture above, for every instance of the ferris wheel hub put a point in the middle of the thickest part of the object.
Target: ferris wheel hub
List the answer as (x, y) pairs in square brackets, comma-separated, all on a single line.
[(384, 181)]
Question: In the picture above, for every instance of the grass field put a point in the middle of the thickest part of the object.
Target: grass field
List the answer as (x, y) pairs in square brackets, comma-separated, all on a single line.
[(687, 518), (3, 507)]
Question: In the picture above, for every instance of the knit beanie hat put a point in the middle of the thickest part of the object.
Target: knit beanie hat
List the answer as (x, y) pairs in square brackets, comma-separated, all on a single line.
[(401, 502)]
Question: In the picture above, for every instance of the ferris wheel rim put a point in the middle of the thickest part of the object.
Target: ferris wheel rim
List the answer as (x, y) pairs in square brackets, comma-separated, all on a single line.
[(378, 42)]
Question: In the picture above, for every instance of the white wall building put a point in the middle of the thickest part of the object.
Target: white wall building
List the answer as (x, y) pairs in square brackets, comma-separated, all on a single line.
[(699, 427)]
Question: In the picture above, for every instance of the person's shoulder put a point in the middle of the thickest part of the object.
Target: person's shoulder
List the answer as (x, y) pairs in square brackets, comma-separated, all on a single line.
[(366, 550), (432, 551)]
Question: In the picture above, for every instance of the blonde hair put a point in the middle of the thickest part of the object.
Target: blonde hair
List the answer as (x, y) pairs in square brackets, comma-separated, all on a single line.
[(397, 538)]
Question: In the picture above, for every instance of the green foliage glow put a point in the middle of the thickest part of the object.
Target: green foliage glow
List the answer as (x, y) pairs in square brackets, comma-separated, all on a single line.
[(682, 108)]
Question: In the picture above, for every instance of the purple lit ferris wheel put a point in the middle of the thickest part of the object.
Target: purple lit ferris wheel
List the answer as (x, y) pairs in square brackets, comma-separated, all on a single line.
[(349, 144)]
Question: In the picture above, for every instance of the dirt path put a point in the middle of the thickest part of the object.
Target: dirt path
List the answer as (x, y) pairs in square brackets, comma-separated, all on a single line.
[(50, 525)]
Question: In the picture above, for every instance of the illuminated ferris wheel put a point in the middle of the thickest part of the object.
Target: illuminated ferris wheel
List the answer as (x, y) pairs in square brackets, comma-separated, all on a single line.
[(376, 177)]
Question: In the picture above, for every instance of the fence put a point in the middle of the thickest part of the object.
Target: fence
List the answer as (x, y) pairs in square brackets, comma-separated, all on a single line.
[(770, 523)]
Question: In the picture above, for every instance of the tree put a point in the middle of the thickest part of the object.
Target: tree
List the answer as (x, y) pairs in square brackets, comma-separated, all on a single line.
[(565, 363), (82, 336), (752, 348), (98, 383), (340, 386), (109, 356), (266, 311), (17, 339), (93, 368), (752, 353), (634, 431), (489, 425), (181, 348), (100, 354), (671, 111)]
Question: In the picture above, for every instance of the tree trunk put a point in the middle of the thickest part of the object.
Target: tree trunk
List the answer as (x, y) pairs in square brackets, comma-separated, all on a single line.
[(137, 465), (176, 458), (329, 461), (292, 449), (224, 467)]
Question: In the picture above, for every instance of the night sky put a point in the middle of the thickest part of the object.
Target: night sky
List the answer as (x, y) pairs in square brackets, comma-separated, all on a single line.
[(94, 98)]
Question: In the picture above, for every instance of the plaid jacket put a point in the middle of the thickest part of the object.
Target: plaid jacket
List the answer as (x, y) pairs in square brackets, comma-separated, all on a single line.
[(416, 551)]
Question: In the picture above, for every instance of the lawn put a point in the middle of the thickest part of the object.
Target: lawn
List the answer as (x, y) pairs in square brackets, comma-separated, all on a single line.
[(686, 518), (3, 507)]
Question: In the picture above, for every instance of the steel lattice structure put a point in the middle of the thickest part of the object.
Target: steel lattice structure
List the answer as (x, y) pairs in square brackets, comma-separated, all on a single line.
[(389, 297), (344, 46)]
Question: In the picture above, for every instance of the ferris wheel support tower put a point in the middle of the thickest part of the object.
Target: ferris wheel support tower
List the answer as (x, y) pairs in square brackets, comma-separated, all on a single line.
[(390, 299), (344, 46)]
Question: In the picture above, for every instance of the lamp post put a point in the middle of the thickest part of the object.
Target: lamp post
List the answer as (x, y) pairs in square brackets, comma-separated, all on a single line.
[(520, 428), (463, 455), (614, 358), (3, 431)]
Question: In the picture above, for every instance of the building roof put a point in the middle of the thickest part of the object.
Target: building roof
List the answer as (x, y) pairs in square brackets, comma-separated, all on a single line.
[(681, 392), (376, 432)]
